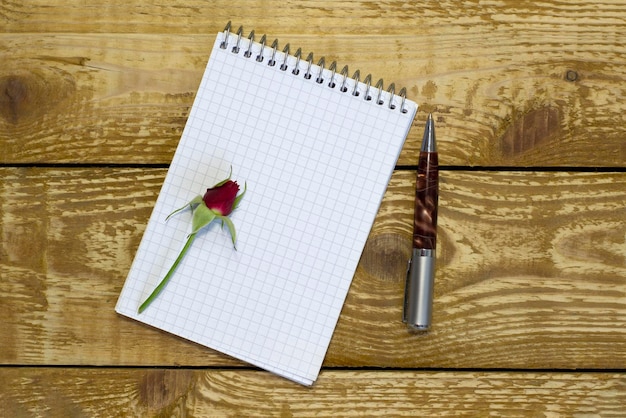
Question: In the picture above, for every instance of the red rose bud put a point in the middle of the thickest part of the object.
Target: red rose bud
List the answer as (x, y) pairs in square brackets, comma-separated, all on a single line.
[(217, 203), (221, 198)]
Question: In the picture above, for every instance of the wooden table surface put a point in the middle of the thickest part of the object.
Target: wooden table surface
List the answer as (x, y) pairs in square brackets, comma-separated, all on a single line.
[(530, 299)]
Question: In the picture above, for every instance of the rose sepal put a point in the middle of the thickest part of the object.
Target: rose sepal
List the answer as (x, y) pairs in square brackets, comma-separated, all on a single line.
[(231, 228), (191, 205), (239, 197), (202, 216)]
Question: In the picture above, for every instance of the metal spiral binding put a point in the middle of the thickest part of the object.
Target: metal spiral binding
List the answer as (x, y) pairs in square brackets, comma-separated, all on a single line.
[(332, 83)]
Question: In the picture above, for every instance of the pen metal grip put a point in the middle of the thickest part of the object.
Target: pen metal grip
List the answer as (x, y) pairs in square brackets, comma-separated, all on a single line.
[(418, 295), (426, 200)]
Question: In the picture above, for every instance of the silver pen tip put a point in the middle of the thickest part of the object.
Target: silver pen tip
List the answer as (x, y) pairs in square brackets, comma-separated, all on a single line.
[(429, 142)]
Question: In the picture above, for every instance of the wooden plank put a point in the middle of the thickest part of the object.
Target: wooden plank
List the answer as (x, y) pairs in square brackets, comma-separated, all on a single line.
[(321, 17), (531, 273), (182, 392), (537, 97)]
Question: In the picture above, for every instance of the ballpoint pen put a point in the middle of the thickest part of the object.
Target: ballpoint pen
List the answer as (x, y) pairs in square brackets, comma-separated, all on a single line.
[(418, 297)]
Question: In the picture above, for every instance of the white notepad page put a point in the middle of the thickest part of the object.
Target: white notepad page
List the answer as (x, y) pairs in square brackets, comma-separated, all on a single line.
[(316, 162)]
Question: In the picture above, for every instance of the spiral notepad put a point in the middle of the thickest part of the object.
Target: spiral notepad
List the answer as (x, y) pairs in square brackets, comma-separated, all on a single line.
[(316, 148)]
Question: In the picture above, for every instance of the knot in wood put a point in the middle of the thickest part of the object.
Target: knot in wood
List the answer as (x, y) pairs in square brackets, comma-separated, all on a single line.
[(531, 130), (28, 95), (13, 98), (571, 75), (385, 257)]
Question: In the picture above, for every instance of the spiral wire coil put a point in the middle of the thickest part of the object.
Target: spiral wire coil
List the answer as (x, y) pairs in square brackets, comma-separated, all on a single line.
[(368, 94)]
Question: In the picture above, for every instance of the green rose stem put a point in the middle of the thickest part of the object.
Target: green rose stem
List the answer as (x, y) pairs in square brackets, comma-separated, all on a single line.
[(217, 203), (169, 274)]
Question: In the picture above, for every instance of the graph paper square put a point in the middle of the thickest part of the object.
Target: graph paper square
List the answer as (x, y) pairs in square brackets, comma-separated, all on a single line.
[(316, 162)]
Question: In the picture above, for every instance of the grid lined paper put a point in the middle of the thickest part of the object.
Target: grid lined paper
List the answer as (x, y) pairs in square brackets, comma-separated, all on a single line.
[(316, 162)]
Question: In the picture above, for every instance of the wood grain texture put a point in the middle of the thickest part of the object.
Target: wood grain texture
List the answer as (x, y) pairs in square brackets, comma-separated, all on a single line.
[(531, 273), (68, 239), (511, 85), (216, 393), (531, 269)]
